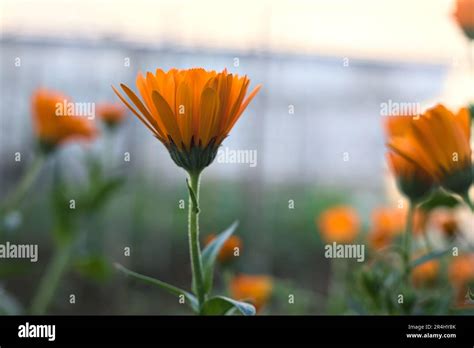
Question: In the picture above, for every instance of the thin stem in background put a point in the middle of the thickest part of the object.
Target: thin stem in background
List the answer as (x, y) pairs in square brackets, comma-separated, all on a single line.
[(50, 280), (15, 197), (408, 237)]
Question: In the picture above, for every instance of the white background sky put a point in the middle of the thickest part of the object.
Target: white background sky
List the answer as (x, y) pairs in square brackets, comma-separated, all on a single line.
[(420, 30)]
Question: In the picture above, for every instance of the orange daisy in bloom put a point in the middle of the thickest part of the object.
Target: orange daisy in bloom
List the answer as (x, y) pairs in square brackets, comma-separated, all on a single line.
[(425, 273), (111, 113), (387, 223), (53, 129), (464, 15), (228, 250), (256, 289), (413, 181), (438, 142), (189, 111), (339, 224)]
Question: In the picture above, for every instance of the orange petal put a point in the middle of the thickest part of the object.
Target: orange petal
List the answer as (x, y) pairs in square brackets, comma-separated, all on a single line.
[(243, 107), (184, 103), (144, 121), (168, 118), (209, 112)]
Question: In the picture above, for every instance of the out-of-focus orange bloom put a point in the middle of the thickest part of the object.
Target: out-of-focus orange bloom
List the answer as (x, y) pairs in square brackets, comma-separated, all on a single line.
[(464, 15), (339, 224), (425, 273), (386, 224), (413, 181), (438, 142), (461, 275), (190, 111), (461, 270), (445, 221), (111, 113), (53, 129), (256, 289), (228, 249)]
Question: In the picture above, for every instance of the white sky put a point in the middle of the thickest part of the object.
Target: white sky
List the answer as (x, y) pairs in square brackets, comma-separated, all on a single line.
[(421, 30)]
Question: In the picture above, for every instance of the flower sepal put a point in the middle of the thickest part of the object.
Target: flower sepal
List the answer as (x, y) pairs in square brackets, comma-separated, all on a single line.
[(194, 159)]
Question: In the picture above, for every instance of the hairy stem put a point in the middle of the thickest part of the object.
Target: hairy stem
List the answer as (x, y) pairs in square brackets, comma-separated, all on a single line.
[(193, 235)]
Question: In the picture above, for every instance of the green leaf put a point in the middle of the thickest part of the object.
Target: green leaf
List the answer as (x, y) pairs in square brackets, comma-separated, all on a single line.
[(221, 305), (428, 257), (209, 255), (190, 299)]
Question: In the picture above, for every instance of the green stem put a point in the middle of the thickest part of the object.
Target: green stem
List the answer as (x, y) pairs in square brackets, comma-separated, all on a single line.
[(468, 201), (50, 280), (15, 197), (408, 237), (193, 235)]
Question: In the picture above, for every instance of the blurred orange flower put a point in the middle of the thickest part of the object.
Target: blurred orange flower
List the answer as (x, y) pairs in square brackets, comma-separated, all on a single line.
[(413, 181), (52, 129), (464, 15), (386, 224), (425, 273), (111, 113), (339, 224), (256, 289), (190, 111), (461, 270), (461, 275), (438, 142), (228, 249)]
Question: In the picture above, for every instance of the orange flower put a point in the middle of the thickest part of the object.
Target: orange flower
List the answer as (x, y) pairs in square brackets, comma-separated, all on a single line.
[(425, 273), (256, 289), (387, 223), (53, 129), (461, 275), (438, 142), (464, 15), (413, 181), (190, 111), (228, 249), (461, 270), (111, 113), (339, 224)]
